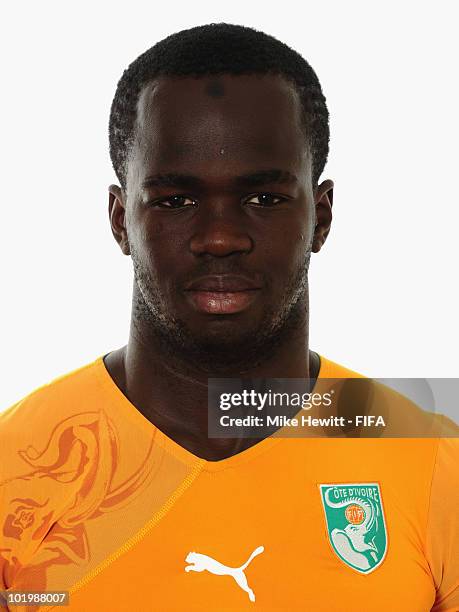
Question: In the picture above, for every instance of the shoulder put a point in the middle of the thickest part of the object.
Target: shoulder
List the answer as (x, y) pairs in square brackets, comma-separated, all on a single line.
[(66, 387), (403, 417), (32, 419), (332, 369), (51, 440)]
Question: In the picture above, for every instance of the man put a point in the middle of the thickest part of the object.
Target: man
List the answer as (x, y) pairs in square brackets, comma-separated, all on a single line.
[(110, 486)]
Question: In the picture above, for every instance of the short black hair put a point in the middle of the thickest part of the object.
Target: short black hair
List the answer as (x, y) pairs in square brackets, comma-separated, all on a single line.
[(218, 48)]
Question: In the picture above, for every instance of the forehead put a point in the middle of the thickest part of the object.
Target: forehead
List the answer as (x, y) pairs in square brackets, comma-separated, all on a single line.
[(255, 119)]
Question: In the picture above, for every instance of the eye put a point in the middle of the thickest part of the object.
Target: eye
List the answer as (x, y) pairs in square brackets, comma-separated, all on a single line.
[(176, 201), (265, 199)]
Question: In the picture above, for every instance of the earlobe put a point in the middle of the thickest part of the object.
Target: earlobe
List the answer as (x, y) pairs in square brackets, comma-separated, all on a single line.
[(117, 215), (324, 203)]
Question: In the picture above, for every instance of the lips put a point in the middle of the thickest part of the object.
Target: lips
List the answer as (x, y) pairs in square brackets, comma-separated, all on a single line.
[(222, 294), (222, 283)]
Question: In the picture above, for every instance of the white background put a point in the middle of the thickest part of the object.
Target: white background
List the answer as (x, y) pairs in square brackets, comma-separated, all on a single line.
[(383, 290)]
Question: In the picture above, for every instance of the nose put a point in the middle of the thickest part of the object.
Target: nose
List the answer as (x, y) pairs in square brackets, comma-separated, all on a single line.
[(221, 236)]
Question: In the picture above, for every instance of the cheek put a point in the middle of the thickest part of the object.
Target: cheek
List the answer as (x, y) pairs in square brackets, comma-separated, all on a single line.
[(288, 256), (145, 235), (162, 251), (157, 229), (152, 230)]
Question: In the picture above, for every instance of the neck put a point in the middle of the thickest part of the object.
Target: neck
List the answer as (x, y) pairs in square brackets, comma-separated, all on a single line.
[(173, 395)]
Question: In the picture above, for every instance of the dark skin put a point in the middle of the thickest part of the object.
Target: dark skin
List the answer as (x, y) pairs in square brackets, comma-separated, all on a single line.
[(219, 181)]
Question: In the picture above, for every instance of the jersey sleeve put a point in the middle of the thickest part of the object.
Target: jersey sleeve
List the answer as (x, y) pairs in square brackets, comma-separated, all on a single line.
[(9, 552), (4, 549), (442, 537)]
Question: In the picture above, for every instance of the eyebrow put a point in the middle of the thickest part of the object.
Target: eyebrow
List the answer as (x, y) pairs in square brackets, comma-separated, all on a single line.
[(266, 176), (171, 180), (254, 179)]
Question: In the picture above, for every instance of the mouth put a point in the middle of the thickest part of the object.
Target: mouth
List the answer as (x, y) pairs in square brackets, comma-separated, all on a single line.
[(222, 294), (221, 302)]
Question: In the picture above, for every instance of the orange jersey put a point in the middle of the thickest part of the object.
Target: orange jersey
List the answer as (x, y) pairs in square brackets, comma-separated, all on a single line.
[(96, 501)]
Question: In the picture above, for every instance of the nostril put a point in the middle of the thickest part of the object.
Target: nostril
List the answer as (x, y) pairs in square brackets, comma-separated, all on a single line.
[(221, 243)]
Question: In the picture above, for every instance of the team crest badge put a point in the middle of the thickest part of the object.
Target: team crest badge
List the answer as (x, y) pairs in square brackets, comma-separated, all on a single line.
[(355, 523)]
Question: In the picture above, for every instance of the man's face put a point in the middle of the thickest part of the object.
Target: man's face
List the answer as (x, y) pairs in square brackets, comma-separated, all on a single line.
[(219, 183)]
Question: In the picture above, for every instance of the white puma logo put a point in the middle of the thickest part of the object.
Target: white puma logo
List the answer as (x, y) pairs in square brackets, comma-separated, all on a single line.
[(203, 562)]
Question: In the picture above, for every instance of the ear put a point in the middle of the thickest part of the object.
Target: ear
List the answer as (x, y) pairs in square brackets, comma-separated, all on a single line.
[(117, 215), (323, 198)]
